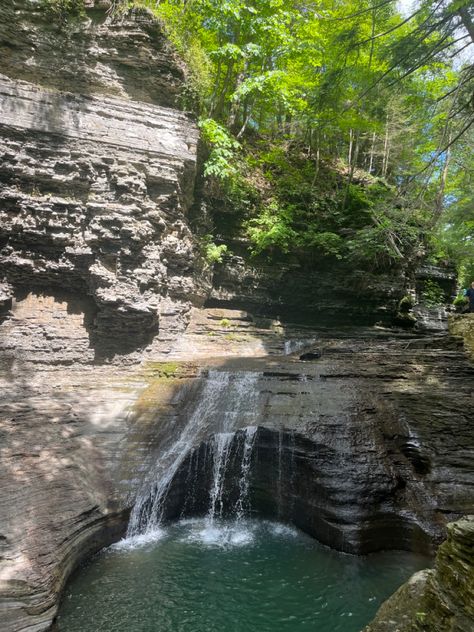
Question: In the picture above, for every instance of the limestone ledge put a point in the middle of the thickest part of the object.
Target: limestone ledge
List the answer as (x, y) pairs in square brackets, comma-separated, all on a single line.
[(98, 119)]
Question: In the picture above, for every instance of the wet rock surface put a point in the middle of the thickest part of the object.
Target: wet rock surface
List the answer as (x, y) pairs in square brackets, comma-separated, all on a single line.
[(441, 599), (367, 446), (356, 447)]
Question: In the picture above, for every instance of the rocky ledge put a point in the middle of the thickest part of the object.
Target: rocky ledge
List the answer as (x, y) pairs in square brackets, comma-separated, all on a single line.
[(437, 600), (462, 325)]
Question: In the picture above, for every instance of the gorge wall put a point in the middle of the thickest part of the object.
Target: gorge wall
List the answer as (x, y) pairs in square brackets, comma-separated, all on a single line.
[(97, 173), (99, 268), (438, 599)]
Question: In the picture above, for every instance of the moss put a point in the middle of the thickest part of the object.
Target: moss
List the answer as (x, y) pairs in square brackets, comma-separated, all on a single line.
[(224, 322), (162, 369), (463, 325), (405, 304)]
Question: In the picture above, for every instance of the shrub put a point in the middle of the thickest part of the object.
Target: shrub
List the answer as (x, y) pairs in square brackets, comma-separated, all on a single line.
[(222, 150), (62, 10), (432, 294), (211, 252), (460, 301)]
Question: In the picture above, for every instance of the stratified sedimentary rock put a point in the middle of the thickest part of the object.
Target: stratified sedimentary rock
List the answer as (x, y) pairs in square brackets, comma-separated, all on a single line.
[(95, 188), (462, 325), (437, 600), (99, 264)]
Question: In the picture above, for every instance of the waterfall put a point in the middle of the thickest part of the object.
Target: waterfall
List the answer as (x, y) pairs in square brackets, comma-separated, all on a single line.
[(280, 472), (227, 401), (244, 482), (223, 467), (222, 444)]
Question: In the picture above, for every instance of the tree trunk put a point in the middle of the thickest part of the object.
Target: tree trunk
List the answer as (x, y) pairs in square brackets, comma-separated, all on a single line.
[(372, 152)]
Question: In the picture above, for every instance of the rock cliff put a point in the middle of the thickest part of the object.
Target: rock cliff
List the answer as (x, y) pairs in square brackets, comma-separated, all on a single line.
[(462, 325), (95, 188)]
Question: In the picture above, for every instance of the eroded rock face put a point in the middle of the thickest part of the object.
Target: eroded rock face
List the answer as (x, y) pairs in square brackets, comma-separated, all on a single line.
[(124, 55), (97, 168), (329, 295), (365, 445), (95, 189), (69, 454), (354, 447), (438, 600), (463, 325)]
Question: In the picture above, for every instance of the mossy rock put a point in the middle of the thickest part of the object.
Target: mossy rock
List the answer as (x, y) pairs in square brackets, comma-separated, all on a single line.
[(463, 325)]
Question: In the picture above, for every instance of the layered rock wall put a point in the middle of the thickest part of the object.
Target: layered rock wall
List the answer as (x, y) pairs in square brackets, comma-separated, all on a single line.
[(330, 295), (95, 188), (353, 446)]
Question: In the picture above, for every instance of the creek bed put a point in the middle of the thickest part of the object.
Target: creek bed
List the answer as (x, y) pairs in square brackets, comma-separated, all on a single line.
[(245, 576)]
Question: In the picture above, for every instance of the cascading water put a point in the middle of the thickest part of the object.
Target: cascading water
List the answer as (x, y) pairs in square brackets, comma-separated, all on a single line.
[(244, 481), (221, 448), (200, 573), (227, 401), (222, 463)]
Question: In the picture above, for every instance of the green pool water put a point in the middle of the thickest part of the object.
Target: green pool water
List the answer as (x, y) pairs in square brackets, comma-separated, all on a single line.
[(253, 576)]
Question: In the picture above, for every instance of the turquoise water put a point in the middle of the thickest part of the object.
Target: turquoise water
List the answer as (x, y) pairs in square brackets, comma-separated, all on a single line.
[(248, 577)]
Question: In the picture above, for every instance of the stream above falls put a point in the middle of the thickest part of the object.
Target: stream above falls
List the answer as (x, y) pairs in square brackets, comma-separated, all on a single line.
[(240, 576)]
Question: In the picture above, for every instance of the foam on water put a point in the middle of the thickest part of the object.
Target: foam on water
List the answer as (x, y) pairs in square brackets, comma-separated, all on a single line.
[(129, 543), (220, 534), (250, 576), (209, 533)]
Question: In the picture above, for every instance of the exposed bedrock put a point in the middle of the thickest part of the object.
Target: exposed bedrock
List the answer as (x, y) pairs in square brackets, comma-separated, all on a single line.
[(96, 175), (366, 445), (125, 55), (331, 293), (364, 441), (437, 600), (328, 295), (353, 447), (462, 325)]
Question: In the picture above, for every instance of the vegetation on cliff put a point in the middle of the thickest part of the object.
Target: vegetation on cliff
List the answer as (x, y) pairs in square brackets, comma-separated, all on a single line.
[(334, 129)]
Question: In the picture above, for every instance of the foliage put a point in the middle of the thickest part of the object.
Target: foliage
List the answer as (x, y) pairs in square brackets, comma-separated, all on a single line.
[(223, 147), (432, 293), (62, 10), (334, 130), (454, 238), (184, 33), (329, 126), (460, 301), (212, 252)]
